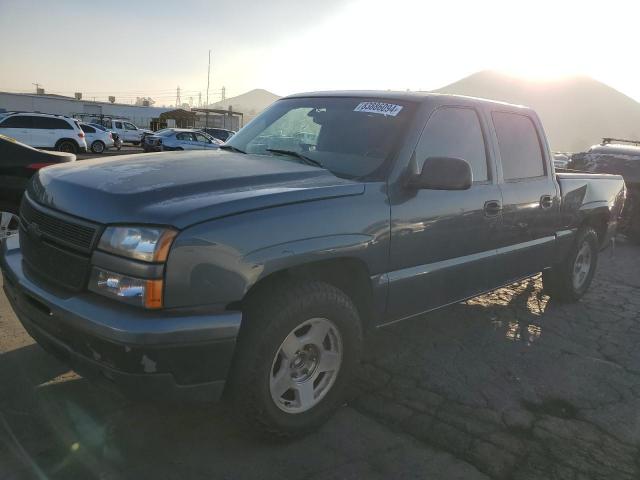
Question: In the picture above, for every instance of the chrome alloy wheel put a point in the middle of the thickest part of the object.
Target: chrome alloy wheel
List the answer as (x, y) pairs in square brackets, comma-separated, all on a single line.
[(306, 365), (8, 224), (582, 265)]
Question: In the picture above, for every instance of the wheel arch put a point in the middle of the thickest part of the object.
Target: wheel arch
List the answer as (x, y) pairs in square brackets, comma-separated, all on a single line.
[(66, 139), (349, 274), (598, 219)]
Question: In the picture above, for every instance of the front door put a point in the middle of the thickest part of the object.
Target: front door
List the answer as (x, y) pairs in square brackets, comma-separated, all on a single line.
[(17, 127), (442, 242)]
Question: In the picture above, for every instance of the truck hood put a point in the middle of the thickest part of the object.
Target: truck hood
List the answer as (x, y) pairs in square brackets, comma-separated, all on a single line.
[(181, 188)]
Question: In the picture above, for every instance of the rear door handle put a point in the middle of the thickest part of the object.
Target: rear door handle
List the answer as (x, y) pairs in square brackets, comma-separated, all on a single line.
[(546, 201), (492, 208)]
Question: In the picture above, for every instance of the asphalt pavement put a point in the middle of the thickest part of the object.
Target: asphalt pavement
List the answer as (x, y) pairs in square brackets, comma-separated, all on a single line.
[(510, 385)]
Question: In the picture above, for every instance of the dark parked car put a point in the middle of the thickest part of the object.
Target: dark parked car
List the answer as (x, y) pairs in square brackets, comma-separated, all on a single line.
[(18, 163), (256, 268), (219, 133), (621, 157)]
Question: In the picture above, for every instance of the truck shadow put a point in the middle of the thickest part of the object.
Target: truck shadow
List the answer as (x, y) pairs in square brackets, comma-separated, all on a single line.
[(87, 431)]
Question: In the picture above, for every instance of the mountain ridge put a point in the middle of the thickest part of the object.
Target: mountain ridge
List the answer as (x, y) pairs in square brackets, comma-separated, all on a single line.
[(576, 111)]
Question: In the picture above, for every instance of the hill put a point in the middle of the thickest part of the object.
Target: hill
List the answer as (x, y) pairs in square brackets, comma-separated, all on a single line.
[(576, 112), (250, 103)]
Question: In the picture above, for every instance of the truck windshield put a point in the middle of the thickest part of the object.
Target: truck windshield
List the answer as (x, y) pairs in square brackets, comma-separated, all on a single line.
[(351, 137)]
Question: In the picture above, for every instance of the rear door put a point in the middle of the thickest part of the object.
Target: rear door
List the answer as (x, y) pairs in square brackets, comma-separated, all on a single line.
[(531, 202), (442, 241), (17, 127)]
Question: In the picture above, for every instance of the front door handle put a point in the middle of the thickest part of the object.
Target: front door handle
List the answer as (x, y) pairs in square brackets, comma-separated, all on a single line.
[(546, 201), (492, 208)]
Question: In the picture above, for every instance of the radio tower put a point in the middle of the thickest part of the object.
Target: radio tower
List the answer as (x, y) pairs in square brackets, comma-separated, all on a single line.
[(178, 101), (199, 99), (224, 93)]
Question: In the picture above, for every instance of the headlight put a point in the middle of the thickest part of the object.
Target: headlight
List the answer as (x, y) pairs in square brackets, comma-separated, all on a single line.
[(134, 291), (149, 244)]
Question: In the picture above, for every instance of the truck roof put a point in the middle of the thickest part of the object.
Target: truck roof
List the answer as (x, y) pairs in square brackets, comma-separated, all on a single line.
[(418, 97)]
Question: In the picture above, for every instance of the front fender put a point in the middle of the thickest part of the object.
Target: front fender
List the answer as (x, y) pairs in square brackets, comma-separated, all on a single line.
[(217, 262)]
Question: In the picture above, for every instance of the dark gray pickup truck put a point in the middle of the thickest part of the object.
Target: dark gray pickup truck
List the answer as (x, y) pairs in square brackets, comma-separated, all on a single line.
[(255, 270)]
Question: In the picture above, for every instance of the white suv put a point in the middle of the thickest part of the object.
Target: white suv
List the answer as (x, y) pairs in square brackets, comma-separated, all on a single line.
[(42, 130)]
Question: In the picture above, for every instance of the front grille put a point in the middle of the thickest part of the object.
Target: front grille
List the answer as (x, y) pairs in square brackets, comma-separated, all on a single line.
[(55, 246), (75, 234)]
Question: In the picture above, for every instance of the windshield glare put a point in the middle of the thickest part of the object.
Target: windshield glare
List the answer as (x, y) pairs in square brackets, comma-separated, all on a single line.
[(351, 137)]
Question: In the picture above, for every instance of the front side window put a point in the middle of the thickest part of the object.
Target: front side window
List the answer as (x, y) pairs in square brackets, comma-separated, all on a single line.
[(454, 132), (185, 136), (130, 126), (17, 121), (351, 137), (201, 138), (519, 146)]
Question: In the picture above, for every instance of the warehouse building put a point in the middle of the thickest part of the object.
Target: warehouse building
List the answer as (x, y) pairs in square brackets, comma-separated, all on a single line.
[(141, 116)]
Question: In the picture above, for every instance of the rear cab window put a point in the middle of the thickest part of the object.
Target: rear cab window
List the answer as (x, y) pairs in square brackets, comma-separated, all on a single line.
[(519, 145)]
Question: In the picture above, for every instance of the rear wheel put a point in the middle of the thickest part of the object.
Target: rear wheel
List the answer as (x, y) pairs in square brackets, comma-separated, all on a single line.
[(295, 357), (569, 280), (68, 146), (97, 147)]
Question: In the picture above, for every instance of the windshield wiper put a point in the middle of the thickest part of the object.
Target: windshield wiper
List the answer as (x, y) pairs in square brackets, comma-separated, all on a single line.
[(232, 148), (293, 153)]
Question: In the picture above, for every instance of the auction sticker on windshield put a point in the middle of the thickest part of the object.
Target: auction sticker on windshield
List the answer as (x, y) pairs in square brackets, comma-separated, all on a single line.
[(379, 108)]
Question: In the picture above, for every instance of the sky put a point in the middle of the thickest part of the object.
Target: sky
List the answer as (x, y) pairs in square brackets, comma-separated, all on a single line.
[(148, 48)]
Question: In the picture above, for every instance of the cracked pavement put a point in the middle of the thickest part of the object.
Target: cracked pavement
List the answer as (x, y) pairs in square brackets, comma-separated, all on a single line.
[(510, 385)]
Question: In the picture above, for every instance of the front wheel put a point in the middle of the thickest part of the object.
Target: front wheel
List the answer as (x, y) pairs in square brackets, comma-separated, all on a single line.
[(295, 357), (568, 281)]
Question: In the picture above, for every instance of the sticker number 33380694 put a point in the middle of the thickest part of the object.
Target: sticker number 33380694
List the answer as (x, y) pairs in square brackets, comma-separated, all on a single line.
[(379, 108)]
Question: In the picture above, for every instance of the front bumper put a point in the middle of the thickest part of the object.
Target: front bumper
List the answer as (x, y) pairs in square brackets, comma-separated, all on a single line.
[(176, 355)]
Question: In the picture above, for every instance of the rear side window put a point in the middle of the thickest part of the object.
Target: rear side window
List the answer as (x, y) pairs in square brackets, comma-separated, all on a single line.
[(519, 146), (118, 124), (87, 129), (50, 123), (17, 121), (455, 132)]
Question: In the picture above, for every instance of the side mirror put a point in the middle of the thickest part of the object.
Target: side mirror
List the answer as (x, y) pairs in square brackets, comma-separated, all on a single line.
[(443, 173)]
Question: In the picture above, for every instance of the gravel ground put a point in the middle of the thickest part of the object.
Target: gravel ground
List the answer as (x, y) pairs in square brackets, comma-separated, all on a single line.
[(507, 386)]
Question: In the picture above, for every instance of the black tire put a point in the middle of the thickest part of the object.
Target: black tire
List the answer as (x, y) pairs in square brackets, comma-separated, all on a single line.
[(68, 146), (270, 316), (98, 147), (559, 281), (136, 143)]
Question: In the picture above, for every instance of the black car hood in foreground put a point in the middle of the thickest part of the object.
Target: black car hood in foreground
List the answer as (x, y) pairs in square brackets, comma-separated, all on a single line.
[(181, 188)]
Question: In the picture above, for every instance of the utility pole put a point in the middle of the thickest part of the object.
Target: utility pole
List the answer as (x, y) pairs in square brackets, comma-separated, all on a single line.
[(178, 101), (206, 115), (224, 93), (37, 87), (199, 99)]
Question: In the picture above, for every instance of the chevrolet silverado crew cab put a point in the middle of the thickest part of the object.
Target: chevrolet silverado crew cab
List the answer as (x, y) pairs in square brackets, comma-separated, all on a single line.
[(254, 270)]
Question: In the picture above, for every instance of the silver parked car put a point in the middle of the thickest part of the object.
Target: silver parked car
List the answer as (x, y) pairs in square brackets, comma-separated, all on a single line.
[(180, 139)]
